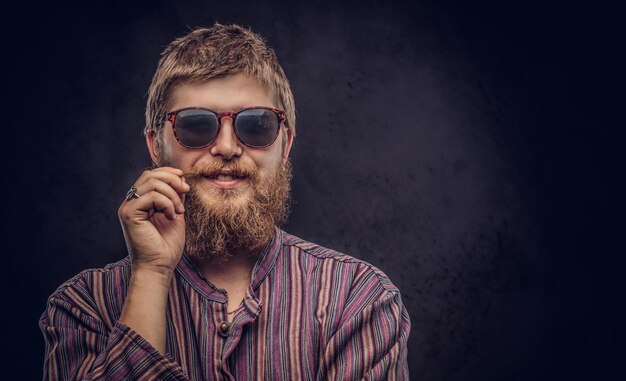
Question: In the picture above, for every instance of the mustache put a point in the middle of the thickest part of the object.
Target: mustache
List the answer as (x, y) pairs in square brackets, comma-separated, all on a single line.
[(215, 167)]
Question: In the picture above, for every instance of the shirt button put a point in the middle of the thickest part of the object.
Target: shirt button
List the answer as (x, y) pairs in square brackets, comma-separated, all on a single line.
[(223, 327)]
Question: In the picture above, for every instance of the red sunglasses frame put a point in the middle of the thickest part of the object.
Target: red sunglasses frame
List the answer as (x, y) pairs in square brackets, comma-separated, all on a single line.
[(280, 114)]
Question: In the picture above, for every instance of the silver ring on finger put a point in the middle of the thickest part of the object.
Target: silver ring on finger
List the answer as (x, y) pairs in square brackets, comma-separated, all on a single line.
[(132, 193)]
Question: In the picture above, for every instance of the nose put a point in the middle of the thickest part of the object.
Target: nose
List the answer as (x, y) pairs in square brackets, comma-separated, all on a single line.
[(226, 143)]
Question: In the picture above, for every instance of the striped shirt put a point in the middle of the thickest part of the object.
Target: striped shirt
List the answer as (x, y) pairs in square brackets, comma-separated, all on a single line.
[(310, 313)]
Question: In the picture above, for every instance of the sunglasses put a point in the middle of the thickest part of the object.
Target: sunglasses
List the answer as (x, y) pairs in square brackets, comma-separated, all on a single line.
[(256, 127)]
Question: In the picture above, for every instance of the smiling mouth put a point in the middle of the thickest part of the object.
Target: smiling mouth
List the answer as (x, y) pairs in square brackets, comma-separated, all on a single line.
[(226, 179)]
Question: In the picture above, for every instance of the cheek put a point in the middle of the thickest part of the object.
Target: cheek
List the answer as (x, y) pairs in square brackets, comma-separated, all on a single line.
[(175, 155), (270, 160)]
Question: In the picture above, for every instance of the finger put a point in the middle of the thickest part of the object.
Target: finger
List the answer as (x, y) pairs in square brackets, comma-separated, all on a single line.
[(171, 176), (157, 185), (176, 171), (152, 202)]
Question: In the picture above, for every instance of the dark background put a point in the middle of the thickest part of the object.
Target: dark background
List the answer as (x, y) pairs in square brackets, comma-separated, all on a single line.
[(473, 152)]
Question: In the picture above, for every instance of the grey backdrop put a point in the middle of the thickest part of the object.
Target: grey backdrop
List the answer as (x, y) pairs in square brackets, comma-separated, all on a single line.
[(468, 151)]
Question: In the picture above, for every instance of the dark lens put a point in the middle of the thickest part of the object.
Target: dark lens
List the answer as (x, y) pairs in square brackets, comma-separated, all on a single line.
[(257, 127), (196, 127)]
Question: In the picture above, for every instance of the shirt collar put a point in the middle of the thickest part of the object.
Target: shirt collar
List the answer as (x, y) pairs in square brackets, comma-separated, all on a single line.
[(267, 259)]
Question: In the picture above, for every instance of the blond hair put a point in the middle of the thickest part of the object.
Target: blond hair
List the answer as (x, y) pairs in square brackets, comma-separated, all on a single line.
[(215, 52)]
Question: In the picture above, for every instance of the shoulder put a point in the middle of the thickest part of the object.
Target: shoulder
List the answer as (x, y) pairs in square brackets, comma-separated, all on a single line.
[(90, 300), (95, 282), (345, 287), (112, 272), (358, 271)]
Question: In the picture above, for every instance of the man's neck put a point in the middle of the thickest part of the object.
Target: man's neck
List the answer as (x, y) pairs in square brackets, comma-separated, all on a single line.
[(235, 272)]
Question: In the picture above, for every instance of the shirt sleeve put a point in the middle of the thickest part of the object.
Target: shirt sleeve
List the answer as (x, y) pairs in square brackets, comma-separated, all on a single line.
[(80, 347), (370, 344)]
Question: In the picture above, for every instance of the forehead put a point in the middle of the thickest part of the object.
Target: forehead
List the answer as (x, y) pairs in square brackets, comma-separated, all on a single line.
[(221, 94)]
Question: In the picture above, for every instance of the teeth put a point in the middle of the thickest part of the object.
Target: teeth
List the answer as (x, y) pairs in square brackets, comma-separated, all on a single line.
[(224, 178)]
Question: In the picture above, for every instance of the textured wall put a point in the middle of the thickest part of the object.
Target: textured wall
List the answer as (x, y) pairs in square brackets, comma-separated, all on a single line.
[(431, 143)]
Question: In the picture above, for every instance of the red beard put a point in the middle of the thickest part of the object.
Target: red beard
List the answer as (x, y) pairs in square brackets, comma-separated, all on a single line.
[(221, 223)]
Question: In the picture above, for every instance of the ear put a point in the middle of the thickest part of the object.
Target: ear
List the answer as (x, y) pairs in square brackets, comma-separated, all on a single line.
[(287, 145), (153, 146)]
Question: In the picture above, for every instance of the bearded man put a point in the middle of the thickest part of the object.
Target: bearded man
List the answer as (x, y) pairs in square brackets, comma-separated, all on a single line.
[(212, 289)]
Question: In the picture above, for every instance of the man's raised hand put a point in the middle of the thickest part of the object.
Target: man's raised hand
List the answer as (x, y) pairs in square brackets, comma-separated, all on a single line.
[(153, 223)]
